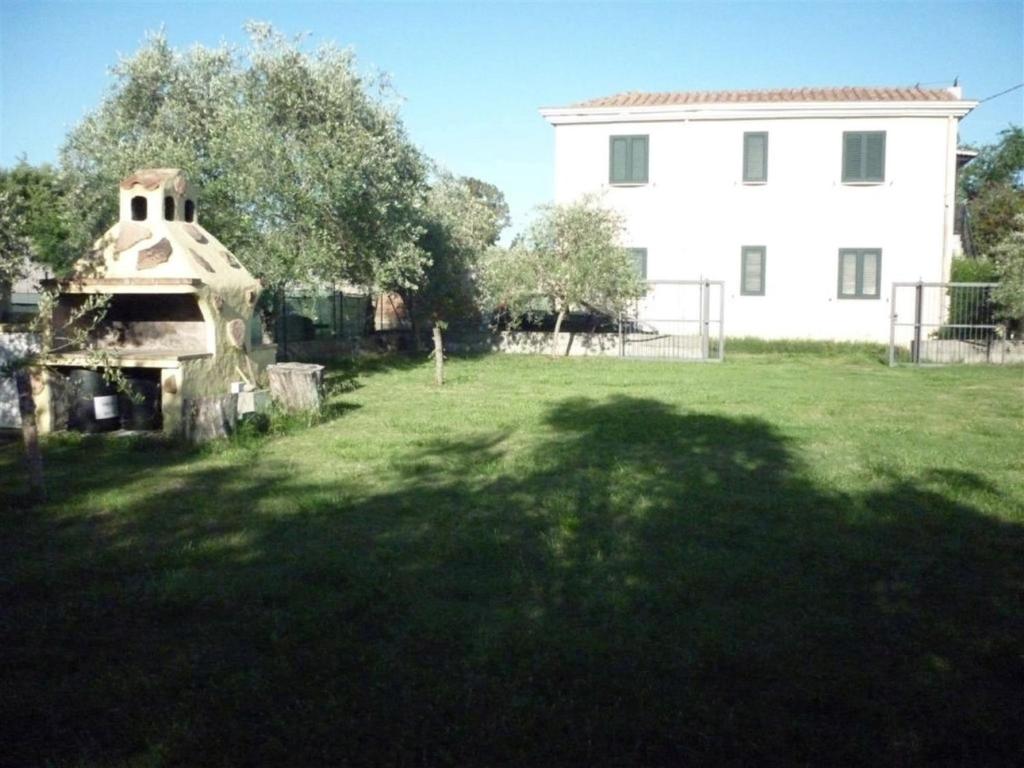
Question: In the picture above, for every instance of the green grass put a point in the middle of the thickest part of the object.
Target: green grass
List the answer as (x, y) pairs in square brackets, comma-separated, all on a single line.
[(779, 560)]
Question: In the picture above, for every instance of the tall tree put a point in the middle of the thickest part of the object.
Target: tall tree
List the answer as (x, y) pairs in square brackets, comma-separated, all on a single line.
[(15, 248), (992, 188), (1008, 259), (461, 219), (36, 195), (998, 163), (569, 257), (303, 164)]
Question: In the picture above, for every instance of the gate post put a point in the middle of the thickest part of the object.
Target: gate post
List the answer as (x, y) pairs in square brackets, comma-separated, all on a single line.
[(705, 313), (892, 327), (918, 296)]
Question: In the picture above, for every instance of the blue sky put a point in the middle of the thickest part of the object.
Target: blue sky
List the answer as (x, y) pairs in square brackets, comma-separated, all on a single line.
[(474, 74)]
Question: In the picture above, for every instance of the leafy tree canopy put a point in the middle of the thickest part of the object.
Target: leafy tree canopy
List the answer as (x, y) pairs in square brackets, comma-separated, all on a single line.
[(569, 257), (35, 194), (462, 217), (992, 187), (1008, 257), (303, 165), (1001, 163), (15, 248)]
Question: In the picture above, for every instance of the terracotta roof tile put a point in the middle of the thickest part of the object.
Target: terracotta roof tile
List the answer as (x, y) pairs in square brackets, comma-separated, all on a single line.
[(639, 99)]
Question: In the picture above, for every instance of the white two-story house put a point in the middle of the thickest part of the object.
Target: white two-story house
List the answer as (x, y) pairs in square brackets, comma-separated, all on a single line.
[(807, 203)]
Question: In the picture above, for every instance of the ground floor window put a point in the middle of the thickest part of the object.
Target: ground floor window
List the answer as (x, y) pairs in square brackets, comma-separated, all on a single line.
[(860, 273), (752, 260), (639, 258)]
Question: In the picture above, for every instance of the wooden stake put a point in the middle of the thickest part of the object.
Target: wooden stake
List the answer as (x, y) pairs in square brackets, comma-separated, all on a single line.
[(30, 435)]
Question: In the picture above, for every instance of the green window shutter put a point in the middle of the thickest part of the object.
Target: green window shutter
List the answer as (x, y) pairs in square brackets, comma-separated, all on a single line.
[(874, 156), (870, 273), (628, 160), (863, 156), (639, 259), (752, 270), (847, 273), (755, 157), (638, 159), (618, 163), (853, 156)]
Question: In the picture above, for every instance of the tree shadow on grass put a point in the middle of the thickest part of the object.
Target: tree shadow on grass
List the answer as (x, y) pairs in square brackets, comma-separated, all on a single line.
[(655, 588)]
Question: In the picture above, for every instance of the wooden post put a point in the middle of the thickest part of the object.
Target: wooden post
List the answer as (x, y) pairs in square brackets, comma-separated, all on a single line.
[(918, 296), (438, 356), (30, 435)]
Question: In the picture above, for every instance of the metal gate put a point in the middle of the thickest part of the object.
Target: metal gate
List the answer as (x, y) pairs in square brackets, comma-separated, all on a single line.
[(676, 320), (946, 323)]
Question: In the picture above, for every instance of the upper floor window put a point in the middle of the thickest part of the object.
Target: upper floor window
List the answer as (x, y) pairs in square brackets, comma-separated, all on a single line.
[(627, 162), (863, 156), (755, 157), (639, 258), (752, 258), (860, 273), (190, 210), (169, 208)]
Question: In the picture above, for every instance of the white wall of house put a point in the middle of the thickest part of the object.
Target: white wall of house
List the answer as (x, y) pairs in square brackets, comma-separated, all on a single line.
[(696, 213)]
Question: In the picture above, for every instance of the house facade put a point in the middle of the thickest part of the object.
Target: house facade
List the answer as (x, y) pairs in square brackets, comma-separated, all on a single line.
[(808, 204)]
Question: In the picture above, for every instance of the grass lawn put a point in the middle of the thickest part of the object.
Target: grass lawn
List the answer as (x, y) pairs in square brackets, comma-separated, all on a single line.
[(779, 560)]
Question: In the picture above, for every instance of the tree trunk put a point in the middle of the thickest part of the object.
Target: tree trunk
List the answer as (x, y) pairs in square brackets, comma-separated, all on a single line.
[(30, 435), (414, 321), (5, 299), (554, 338), (438, 356)]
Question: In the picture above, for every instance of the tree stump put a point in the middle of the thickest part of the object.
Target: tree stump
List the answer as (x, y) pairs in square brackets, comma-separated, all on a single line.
[(209, 418), (297, 386)]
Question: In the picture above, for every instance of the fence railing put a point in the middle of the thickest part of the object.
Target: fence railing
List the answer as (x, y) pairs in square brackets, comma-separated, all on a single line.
[(941, 323), (676, 320), (325, 314)]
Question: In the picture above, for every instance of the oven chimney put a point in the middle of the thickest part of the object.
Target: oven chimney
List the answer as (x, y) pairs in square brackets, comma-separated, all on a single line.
[(157, 194)]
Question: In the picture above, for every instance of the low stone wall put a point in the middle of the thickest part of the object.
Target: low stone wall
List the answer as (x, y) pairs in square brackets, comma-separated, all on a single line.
[(637, 345), (996, 352), (13, 345), (539, 343)]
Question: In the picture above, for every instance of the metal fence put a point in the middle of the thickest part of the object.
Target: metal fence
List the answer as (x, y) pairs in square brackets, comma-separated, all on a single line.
[(940, 323), (318, 314), (676, 320)]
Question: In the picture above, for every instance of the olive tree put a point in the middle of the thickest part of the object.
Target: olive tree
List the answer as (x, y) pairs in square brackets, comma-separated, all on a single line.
[(569, 257), (35, 194), (462, 217), (15, 248), (1008, 259), (303, 164), (992, 188)]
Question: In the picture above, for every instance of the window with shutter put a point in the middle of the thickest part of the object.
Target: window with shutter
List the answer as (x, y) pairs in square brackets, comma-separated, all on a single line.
[(860, 273), (863, 156), (755, 157), (752, 269), (639, 259), (628, 160)]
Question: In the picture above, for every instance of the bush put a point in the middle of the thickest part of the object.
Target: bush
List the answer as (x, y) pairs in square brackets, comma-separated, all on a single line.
[(973, 271), (810, 347)]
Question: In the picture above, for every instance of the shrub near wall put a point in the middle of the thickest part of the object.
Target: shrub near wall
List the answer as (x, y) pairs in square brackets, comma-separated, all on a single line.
[(966, 307)]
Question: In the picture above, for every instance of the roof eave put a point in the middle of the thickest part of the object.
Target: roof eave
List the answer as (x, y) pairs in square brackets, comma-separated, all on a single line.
[(748, 110)]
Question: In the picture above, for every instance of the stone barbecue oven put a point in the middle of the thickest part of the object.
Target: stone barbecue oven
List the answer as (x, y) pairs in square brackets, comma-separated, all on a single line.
[(182, 308)]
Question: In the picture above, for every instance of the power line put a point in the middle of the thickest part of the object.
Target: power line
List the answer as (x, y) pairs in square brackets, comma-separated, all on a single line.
[(1001, 93)]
